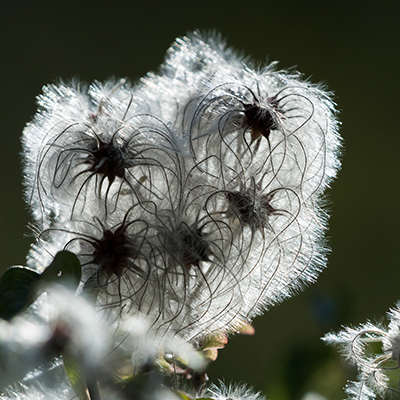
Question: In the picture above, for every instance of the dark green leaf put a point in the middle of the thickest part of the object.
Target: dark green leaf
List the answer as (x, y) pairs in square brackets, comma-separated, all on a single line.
[(16, 291), (20, 286), (65, 269)]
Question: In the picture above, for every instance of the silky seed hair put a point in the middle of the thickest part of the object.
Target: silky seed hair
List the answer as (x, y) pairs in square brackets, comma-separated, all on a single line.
[(374, 349), (66, 115), (270, 118), (158, 266), (192, 198), (98, 154)]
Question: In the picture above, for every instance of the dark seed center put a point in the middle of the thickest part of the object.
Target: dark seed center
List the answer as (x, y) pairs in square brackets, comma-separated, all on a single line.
[(112, 252), (108, 160), (259, 120)]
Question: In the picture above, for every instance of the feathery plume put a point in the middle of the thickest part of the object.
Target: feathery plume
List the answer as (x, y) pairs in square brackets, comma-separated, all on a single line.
[(375, 350), (192, 197), (233, 392)]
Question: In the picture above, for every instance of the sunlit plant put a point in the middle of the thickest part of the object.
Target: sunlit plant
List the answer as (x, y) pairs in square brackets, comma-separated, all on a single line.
[(174, 211)]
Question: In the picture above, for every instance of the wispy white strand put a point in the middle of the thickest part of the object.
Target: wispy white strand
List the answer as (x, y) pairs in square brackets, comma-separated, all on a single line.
[(88, 150), (359, 390), (374, 366), (193, 197), (223, 391), (61, 391), (60, 323)]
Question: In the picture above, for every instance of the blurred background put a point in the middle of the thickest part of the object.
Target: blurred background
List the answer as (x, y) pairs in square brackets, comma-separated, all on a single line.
[(352, 46)]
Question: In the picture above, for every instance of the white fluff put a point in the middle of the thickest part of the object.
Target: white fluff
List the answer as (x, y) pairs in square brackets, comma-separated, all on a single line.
[(193, 197), (374, 366)]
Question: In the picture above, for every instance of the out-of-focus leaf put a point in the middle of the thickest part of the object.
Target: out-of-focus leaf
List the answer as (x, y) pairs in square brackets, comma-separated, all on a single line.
[(16, 291), (184, 396), (76, 377), (65, 269), (143, 385), (20, 286)]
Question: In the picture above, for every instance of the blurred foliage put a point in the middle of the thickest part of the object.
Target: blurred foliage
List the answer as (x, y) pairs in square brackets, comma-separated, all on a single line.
[(20, 287)]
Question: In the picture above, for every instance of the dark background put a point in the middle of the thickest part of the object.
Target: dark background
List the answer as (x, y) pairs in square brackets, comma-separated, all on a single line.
[(352, 46)]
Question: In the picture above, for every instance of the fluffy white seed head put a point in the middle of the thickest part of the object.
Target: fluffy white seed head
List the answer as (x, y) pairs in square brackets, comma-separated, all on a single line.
[(193, 197), (374, 350), (94, 149)]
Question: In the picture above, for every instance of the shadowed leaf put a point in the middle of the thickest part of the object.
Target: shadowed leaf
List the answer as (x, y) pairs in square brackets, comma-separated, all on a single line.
[(20, 286), (16, 291), (65, 269)]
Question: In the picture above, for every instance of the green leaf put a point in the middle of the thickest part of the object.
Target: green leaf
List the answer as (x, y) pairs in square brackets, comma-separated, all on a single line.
[(17, 291), (184, 396), (76, 377), (65, 269), (20, 286)]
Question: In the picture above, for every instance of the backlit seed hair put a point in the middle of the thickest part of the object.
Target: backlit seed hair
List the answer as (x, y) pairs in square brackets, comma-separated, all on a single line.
[(97, 153), (193, 197)]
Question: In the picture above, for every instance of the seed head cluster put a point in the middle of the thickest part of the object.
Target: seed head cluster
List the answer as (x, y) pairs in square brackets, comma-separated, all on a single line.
[(192, 197), (374, 348)]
